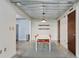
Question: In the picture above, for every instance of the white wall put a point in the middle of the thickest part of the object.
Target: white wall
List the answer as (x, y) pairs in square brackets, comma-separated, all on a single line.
[(77, 30), (52, 31), (63, 32), (7, 29)]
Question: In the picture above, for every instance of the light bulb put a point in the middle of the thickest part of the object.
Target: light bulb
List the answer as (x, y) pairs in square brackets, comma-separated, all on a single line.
[(43, 21), (19, 4)]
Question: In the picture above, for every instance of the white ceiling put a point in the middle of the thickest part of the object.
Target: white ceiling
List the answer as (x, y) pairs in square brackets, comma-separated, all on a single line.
[(52, 8)]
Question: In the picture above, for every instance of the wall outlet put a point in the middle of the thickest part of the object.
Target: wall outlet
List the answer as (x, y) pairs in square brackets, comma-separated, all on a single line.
[(0, 51)]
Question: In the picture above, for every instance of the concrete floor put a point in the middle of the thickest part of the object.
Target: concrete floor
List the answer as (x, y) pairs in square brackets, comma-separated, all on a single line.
[(27, 50)]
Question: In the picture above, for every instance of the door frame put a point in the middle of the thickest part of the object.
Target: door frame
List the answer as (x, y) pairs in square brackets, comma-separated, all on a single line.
[(17, 32), (58, 31)]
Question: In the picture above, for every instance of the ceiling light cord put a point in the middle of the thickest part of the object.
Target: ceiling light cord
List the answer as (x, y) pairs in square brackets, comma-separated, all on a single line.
[(43, 20)]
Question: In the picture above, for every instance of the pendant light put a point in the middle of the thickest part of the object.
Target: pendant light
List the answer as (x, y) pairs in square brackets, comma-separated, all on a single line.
[(43, 19)]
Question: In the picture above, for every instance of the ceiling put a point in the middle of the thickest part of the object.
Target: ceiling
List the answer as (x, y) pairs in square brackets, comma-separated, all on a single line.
[(51, 8)]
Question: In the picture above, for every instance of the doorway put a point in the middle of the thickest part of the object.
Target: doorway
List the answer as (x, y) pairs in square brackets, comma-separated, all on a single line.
[(72, 32), (17, 32), (58, 31)]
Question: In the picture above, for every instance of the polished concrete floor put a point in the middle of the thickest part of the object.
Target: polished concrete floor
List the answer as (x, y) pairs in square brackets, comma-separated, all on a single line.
[(27, 50)]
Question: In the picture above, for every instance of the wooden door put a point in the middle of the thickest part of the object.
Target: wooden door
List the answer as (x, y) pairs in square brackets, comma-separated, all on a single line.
[(58, 31), (72, 32)]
